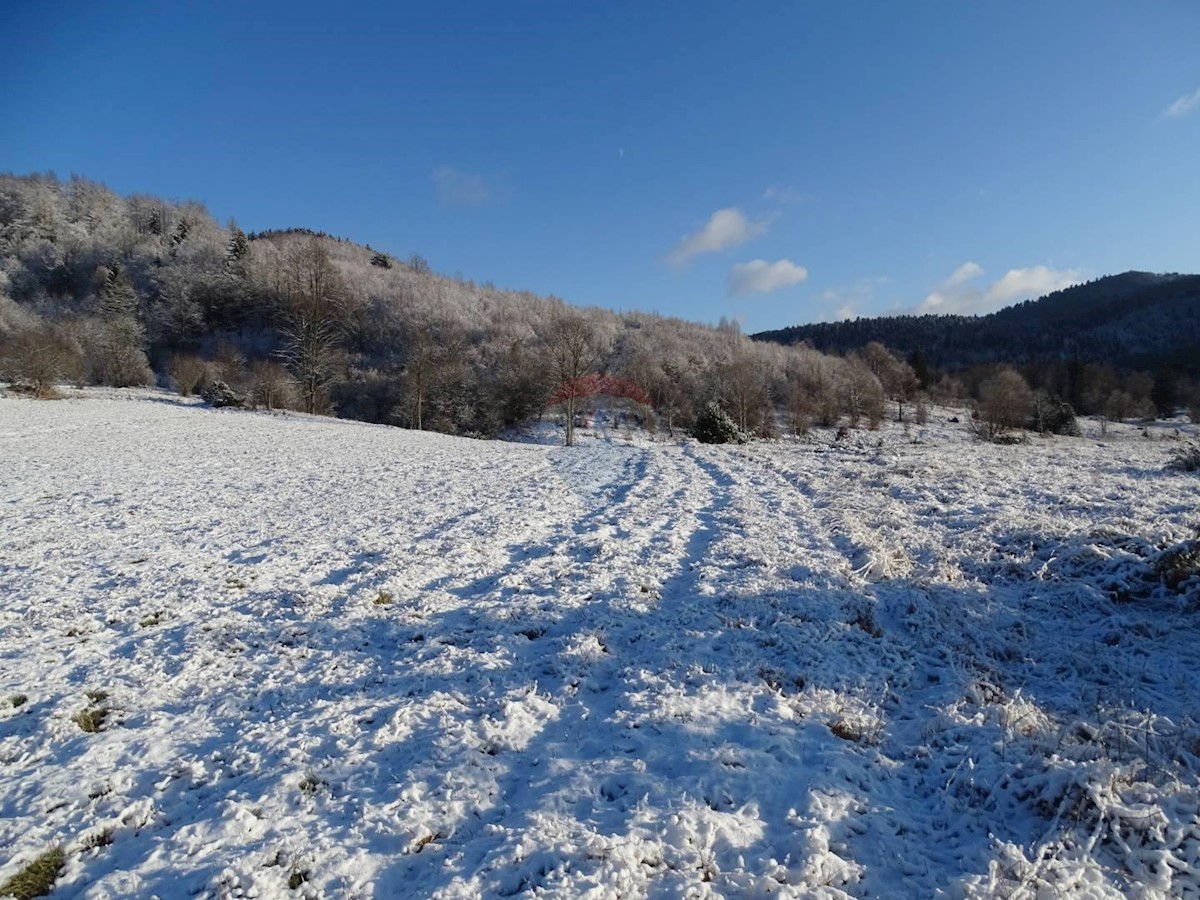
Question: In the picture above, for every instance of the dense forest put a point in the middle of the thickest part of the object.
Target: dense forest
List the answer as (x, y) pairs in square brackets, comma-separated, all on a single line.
[(1130, 322), (102, 289)]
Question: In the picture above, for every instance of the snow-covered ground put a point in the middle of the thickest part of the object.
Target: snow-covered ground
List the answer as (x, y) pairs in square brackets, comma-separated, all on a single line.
[(346, 660)]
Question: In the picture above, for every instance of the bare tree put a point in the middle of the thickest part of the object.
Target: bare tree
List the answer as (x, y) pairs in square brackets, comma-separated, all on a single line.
[(433, 348), (311, 322), (1005, 402), (575, 350), (861, 393), (897, 377), (39, 357), (188, 373), (272, 386)]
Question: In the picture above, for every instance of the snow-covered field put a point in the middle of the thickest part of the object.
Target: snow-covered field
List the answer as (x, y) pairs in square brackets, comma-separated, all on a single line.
[(342, 660)]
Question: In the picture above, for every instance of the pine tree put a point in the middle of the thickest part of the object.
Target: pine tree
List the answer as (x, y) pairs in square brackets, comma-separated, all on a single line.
[(118, 297), (179, 235)]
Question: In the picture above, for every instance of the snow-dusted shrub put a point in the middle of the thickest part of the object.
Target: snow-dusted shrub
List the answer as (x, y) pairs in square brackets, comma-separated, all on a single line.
[(188, 373), (714, 426), (1186, 458), (1005, 402), (220, 394), (37, 358), (1179, 565), (112, 350), (272, 386), (1053, 415)]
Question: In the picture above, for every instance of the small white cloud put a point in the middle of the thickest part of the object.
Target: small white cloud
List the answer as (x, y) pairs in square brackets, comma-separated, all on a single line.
[(848, 301), (785, 194), (725, 228), (1186, 104), (458, 188), (762, 277), (959, 295), (964, 273)]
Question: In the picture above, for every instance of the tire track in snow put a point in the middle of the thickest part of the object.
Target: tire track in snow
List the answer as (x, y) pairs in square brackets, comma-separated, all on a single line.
[(612, 656)]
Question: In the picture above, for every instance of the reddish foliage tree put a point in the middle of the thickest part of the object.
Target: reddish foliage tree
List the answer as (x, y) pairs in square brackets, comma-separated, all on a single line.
[(570, 392)]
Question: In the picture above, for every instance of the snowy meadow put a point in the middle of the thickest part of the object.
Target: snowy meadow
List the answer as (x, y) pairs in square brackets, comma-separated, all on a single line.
[(285, 656)]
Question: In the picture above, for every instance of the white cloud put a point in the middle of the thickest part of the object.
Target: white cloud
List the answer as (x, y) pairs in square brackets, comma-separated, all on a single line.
[(1188, 103), (726, 228), (760, 276), (848, 301), (458, 188), (961, 294), (964, 273), (785, 194)]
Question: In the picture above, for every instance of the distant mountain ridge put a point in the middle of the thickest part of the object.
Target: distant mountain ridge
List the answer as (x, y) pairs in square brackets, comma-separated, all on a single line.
[(1135, 320)]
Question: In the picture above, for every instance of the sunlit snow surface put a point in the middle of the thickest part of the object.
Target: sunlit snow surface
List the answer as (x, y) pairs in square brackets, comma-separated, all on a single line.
[(362, 661)]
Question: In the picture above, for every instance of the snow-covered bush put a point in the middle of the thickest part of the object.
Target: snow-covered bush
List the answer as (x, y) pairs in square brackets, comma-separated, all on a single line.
[(714, 426), (1053, 415), (220, 394), (1005, 402), (1186, 458), (188, 373), (39, 357), (1179, 565)]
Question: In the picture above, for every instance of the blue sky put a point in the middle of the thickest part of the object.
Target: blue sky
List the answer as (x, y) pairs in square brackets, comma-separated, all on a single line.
[(776, 163)]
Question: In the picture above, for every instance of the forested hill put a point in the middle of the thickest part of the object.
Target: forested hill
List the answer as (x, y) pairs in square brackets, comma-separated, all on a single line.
[(1136, 320)]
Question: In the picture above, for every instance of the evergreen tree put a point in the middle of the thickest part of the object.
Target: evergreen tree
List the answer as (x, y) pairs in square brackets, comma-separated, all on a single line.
[(920, 366), (118, 297), (179, 235), (237, 247), (1165, 393)]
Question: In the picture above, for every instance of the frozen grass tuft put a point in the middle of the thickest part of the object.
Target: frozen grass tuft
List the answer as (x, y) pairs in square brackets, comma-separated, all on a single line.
[(310, 783), (97, 839), (91, 720), (37, 878)]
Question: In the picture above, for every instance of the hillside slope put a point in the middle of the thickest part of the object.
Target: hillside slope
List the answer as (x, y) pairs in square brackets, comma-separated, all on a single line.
[(1135, 320), (360, 661)]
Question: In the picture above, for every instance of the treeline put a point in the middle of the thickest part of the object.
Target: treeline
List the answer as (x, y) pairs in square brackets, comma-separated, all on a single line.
[(98, 288), (1129, 322), (101, 289)]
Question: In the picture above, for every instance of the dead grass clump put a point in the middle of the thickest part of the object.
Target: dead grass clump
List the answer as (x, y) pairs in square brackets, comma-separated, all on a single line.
[(37, 878), (866, 622), (1185, 458), (91, 720), (98, 839), (855, 732), (1179, 564)]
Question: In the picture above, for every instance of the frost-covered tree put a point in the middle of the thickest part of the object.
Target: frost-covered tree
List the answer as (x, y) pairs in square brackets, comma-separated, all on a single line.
[(311, 324), (575, 348), (1005, 403)]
